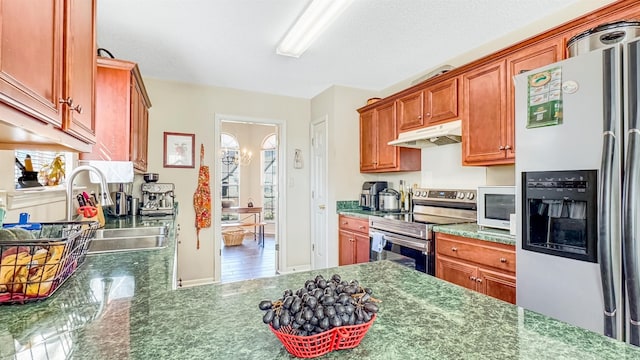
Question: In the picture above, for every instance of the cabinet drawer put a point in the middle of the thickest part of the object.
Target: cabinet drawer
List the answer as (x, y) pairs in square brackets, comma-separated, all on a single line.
[(354, 224), (477, 251)]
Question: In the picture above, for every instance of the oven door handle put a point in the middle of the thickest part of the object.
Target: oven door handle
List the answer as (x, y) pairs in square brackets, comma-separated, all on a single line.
[(407, 243)]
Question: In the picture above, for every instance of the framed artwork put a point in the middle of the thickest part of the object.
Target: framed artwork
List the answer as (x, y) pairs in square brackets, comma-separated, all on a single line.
[(179, 150)]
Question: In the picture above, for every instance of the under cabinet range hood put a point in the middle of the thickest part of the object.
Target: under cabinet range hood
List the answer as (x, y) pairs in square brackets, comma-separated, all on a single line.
[(442, 134)]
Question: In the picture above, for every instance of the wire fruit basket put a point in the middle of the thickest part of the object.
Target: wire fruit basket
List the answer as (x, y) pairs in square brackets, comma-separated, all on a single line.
[(337, 338), (35, 263)]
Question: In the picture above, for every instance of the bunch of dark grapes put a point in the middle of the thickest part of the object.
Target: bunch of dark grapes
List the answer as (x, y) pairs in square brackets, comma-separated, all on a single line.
[(319, 306)]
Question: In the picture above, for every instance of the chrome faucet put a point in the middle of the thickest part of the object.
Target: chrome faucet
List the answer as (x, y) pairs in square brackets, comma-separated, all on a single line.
[(105, 198)]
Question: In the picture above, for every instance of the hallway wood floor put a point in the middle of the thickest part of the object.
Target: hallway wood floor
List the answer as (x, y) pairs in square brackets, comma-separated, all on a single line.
[(248, 261)]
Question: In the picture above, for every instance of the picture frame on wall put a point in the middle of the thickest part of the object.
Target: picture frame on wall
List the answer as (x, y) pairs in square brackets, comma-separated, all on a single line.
[(179, 150)]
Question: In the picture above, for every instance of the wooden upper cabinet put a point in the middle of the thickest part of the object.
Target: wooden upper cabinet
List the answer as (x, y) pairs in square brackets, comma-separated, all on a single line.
[(484, 130), (529, 58), (80, 69), (436, 103), (411, 111), (368, 135), (139, 126), (122, 116), (387, 157), (378, 127), (441, 101), (31, 50), (47, 68)]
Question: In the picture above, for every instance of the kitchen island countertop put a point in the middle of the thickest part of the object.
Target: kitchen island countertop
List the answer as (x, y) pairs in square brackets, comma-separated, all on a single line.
[(123, 306)]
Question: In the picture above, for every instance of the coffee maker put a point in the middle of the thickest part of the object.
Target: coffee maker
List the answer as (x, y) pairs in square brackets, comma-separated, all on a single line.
[(369, 195), (157, 199)]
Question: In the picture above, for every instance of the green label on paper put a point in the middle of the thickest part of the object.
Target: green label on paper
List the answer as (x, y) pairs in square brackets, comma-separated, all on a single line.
[(545, 98)]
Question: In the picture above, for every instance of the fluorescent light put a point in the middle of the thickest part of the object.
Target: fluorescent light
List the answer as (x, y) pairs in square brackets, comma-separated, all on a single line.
[(313, 21)]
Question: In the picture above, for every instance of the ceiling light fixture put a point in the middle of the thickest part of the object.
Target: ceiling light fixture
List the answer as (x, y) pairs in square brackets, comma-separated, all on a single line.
[(313, 21)]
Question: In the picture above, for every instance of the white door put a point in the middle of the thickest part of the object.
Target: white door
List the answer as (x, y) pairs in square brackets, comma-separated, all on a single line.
[(319, 258)]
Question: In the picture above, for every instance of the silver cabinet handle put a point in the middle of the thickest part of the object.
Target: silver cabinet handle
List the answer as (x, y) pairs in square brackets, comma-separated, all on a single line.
[(454, 249), (472, 278), (361, 227), (503, 260), (508, 147), (501, 147), (68, 101), (479, 280), (321, 207), (77, 108)]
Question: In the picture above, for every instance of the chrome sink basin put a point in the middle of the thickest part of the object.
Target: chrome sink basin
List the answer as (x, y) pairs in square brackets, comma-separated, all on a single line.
[(131, 232), (128, 239)]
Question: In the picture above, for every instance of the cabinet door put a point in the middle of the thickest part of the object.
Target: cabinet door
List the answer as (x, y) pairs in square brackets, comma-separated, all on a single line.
[(346, 248), (387, 155), (483, 127), (441, 101), (410, 111), (362, 248), (529, 58), (31, 51), (143, 137), (456, 272), (80, 69), (498, 285), (113, 108), (367, 141)]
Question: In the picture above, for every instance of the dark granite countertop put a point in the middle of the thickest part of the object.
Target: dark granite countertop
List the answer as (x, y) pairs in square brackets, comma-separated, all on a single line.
[(472, 230), (123, 306)]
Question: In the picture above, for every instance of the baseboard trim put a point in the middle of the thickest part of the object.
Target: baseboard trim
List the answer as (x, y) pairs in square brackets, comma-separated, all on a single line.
[(196, 282)]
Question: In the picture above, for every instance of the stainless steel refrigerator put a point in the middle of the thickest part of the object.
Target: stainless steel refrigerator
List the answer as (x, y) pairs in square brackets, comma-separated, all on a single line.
[(578, 256)]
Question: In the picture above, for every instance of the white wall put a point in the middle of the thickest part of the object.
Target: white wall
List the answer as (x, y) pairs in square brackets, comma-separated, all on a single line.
[(188, 108), (569, 13)]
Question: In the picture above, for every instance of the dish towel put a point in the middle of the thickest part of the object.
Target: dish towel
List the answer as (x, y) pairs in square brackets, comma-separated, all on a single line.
[(114, 171), (377, 242), (202, 198)]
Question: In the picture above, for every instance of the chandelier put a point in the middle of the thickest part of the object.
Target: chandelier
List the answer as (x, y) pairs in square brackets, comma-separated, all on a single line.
[(233, 156)]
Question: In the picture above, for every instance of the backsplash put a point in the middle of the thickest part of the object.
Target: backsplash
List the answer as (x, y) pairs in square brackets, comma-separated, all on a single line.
[(347, 204)]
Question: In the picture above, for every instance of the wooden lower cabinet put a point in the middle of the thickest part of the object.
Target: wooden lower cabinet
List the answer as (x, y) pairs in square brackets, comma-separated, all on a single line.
[(353, 240), (477, 265)]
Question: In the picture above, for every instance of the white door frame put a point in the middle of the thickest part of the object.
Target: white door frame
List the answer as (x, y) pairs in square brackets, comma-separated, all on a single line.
[(281, 236), (314, 224)]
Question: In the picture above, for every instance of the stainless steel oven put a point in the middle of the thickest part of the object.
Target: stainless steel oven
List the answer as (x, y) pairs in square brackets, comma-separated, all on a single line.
[(407, 238)]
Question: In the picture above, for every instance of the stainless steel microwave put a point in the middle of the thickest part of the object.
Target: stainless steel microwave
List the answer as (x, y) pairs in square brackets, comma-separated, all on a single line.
[(495, 206)]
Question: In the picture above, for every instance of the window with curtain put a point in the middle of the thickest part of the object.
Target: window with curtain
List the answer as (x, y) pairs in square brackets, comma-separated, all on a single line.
[(269, 179), (229, 172)]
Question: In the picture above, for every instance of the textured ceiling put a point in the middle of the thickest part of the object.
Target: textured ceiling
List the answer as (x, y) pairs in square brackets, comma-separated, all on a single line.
[(373, 45)]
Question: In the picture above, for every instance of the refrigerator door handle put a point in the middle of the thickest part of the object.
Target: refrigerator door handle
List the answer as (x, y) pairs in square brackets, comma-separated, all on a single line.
[(631, 230), (605, 188)]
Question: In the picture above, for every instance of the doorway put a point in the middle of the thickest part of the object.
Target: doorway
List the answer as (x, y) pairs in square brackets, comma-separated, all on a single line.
[(248, 186)]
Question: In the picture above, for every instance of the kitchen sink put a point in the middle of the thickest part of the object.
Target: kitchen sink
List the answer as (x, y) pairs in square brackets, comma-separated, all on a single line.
[(128, 239), (131, 232)]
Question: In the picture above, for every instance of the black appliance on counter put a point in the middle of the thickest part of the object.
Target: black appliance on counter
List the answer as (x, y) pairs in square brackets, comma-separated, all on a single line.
[(408, 237), (369, 199)]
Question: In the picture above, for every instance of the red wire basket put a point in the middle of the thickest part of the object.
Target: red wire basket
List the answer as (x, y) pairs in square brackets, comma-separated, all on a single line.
[(342, 337)]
